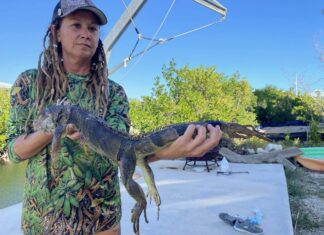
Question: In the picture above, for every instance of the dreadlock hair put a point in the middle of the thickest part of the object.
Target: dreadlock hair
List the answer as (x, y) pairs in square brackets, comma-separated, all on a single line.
[(52, 83)]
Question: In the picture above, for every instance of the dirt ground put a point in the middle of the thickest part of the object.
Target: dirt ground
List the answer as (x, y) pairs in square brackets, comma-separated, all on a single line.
[(306, 196)]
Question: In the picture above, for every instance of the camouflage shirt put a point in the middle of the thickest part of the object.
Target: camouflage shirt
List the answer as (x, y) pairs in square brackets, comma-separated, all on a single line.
[(84, 198)]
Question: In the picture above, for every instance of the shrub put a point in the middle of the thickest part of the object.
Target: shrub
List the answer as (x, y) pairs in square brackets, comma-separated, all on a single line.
[(314, 135), (4, 115)]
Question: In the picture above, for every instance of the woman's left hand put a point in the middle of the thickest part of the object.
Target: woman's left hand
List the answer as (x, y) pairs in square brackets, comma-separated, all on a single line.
[(189, 145)]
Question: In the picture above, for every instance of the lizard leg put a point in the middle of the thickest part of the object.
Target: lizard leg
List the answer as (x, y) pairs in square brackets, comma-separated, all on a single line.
[(56, 144), (149, 179), (127, 168)]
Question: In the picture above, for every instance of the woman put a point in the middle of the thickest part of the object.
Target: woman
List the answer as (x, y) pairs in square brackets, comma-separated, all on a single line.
[(83, 197)]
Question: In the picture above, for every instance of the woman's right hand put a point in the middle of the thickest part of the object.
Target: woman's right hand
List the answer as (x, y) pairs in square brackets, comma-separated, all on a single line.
[(72, 132), (27, 146)]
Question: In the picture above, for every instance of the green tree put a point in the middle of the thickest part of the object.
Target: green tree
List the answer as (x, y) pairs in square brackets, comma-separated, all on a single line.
[(318, 104), (314, 133), (306, 108), (275, 105), (4, 115), (193, 94)]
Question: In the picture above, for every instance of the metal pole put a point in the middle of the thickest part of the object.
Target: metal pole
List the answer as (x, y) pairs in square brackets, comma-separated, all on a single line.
[(296, 85), (133, 8), (213, 5)]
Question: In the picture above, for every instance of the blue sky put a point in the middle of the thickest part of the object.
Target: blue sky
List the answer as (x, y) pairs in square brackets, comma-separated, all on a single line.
[(267, 42)]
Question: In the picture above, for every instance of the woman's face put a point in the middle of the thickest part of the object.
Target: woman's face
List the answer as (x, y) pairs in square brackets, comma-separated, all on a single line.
[(79, 35)]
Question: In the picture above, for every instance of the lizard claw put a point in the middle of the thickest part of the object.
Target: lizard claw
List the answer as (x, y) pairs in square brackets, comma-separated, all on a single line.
[(155, 195), (136, 213)]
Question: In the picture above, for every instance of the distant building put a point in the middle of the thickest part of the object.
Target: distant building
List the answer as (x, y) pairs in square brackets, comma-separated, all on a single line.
[(5, 85)]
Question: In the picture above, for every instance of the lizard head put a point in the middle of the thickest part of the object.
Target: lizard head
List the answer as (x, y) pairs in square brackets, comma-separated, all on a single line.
[(235, 130), (51, 117)]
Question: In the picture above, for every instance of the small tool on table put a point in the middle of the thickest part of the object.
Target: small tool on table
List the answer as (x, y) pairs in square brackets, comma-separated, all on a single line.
[(231, 172)]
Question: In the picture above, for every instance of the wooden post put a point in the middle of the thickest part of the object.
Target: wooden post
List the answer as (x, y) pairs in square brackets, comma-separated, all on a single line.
[(277, 156)]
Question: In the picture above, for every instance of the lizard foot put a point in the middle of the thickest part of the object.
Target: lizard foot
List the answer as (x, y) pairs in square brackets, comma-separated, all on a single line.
[(136, 213), (155, 195)]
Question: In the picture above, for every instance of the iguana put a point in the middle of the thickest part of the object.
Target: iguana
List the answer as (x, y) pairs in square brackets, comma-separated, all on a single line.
[(129, 151)]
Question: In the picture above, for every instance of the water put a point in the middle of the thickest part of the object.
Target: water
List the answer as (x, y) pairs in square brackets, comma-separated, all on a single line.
[(12, 178), (313, 152)]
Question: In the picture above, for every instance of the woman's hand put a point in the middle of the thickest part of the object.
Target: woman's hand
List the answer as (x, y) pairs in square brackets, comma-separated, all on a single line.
[(188, 145), (27, 146), (72, 132)]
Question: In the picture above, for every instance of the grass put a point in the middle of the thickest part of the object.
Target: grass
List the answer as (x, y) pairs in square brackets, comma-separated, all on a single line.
[(320, 193), (305, 222), (300, 187), (295, 188)]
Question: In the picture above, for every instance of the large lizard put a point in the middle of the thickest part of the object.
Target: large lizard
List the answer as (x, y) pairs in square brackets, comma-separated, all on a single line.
[(128, 150)]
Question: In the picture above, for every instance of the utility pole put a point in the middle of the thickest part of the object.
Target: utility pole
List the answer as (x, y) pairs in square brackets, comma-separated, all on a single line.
[(296, 85)]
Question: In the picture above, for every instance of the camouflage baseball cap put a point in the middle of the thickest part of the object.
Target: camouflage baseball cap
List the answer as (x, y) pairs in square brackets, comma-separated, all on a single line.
[(66, 7)]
